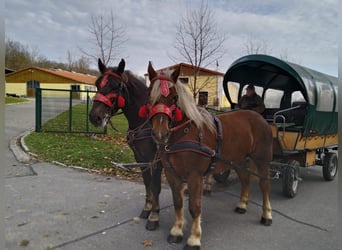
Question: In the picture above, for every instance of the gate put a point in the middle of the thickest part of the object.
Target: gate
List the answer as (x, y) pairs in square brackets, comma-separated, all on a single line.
[(59, 111)]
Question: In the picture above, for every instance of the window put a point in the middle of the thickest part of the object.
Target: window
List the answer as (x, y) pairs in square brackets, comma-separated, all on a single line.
[(272, 98), (32, 84), (75, 87), (184, 80), (233, 89), (297, 96), (203, 98), (310, 89), (89, 88), (258, 90), (325, 97)]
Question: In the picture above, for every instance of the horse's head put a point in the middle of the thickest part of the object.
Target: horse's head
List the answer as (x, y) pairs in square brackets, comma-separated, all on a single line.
[(163, 109), (109, 96)]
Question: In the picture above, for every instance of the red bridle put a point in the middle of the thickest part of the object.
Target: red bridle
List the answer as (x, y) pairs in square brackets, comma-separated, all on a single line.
[(164, 87), (108, 98), (173, 112)]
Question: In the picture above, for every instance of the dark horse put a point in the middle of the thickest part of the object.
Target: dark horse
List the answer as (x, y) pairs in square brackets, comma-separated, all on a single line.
[(120, 89), (194, 143)]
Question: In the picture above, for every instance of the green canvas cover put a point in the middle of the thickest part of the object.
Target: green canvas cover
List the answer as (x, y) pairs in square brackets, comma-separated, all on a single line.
[(319, 90)]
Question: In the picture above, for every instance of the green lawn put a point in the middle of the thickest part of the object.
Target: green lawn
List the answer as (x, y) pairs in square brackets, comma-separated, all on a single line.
[(9, 99), (85, 150), (79, 122)]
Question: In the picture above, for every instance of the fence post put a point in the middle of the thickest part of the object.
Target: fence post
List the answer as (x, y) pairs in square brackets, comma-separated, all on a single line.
[(70, 111), (87, 112), (38, 109)]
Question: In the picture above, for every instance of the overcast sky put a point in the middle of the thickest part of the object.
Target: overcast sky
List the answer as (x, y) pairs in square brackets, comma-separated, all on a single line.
[(305, 31)]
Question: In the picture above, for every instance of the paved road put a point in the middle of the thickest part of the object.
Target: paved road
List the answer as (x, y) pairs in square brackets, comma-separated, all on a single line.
[(51, 207)]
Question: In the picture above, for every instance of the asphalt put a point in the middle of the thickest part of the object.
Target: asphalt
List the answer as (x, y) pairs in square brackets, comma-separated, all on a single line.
[(54, 207)]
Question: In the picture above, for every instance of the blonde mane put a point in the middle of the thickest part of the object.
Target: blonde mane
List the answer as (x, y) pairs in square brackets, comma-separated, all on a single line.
[(201, 117)]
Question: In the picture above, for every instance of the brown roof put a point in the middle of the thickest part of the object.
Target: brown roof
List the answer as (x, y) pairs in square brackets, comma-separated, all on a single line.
[(7, 70), (188, 69), (74, 76)]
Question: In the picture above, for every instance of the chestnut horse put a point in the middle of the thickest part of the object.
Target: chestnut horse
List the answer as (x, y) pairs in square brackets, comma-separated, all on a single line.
[(120, 89), (193, 143)]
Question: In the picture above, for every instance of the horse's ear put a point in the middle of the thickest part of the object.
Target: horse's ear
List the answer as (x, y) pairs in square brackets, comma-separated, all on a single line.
[(151, 72), (102, 67), (176, 73), (121, 66)]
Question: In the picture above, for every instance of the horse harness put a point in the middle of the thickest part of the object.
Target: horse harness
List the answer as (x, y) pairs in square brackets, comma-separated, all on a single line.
[(108, 99), (141, 132), (199, 148)]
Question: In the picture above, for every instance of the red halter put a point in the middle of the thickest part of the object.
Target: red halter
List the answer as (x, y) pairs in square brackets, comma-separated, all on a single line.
[(172, 112), (108, 98), (164, 87)]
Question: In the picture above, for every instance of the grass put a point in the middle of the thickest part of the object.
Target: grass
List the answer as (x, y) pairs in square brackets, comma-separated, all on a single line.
[(10, 99), (79, 122), (87, 151)]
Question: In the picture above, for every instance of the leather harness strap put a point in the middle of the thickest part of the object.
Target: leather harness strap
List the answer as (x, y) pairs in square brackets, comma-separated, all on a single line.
[(197, 147)]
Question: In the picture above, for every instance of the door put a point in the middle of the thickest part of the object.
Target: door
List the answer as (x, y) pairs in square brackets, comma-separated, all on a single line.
[(31, 87), (75, 89), (203, 98)]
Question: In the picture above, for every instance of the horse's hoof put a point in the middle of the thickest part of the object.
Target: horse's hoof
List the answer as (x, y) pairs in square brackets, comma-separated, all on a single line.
[(240, 210), (152, 225), (174, 239), (266, 222), (187, 247), (144, 214), (206, 192)]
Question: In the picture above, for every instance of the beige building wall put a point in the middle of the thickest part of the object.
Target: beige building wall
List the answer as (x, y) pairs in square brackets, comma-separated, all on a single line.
[(17, 84), (18, 88), (210, 83)]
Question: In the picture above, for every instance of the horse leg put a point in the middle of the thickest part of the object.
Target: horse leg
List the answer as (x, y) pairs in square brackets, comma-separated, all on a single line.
[(153, 218), (195, 186), (177, 187), (146, 174), (207, 184), (264, 184), (241, 207)]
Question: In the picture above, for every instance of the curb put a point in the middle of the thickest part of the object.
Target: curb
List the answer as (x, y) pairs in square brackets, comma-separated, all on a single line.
[(19, 149), (22, 153)]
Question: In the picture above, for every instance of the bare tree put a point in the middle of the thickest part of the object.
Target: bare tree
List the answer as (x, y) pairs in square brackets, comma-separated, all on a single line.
[(70, 61), (80, 65), (255, 46), (17, 56), (198, 42), (107, 36)]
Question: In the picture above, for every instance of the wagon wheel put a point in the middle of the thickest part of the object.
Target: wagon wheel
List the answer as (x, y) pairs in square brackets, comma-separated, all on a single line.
[(330, 166), (221, 177), (290, 179)]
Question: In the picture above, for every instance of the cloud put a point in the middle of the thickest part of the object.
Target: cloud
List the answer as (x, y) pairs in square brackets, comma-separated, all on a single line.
[(306, 30)]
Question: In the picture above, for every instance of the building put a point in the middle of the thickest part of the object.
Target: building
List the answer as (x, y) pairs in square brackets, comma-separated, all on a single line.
[(24, 82), (209, 80)]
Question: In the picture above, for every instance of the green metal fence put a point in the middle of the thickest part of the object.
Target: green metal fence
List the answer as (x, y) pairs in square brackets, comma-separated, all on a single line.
[(64, 111)]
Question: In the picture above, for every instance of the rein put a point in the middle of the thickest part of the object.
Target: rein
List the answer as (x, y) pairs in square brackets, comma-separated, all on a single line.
[(180, 126)]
